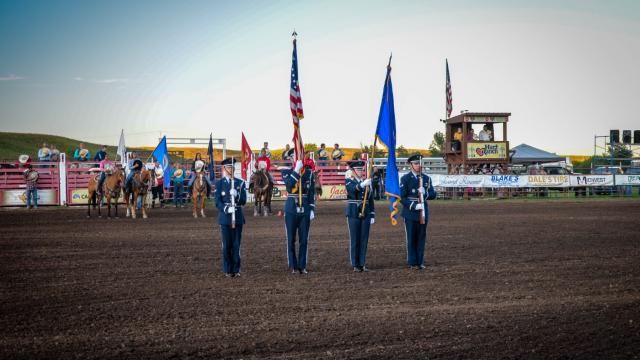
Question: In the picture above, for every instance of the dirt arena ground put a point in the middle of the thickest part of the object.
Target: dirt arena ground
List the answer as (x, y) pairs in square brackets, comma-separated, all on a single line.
[(516, 279)]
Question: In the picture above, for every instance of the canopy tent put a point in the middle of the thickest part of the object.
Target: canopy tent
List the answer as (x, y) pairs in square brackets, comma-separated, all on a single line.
[(527, 154)]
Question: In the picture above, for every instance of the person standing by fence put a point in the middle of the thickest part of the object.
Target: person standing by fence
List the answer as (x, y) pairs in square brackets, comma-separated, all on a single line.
[(157, 190), (178, 185), (31, 180)]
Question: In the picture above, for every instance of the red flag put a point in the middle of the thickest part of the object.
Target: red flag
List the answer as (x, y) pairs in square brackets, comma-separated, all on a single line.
[(247, 154)]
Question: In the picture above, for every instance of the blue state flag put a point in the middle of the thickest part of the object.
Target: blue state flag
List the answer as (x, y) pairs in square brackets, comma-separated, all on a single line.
[(162, 155), (386, 134)]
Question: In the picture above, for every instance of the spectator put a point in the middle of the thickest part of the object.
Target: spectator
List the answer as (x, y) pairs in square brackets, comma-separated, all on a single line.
[(101, 155), (31, 179), (457, 140), (44, 154), (309, 162), (375, 180), (337, 154), (266, 149), (471, 136), (55, 153), (485, 134), (323, 154), (81, 154), (178, 185), (158, 186), (288, 153)]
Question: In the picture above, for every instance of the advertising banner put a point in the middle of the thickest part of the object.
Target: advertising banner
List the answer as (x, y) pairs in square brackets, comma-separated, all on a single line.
[(548, 180), (334, 192), (19, 197), (512, 181), (81, 197), (486, 150), (627, 179), (457, 180), (591, 180)]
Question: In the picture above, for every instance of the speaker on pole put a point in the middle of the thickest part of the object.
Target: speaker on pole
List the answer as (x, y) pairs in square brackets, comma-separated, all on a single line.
[(626, 136), (636, 137), (614, 136)]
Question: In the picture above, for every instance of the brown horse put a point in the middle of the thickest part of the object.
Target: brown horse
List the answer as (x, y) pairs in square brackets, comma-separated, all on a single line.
[(199, 193), (262, 192), (110, 189), (317, 185), (140, 184)]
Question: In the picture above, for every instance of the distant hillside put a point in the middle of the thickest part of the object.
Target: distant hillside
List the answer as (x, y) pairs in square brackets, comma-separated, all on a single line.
[(13, 145)]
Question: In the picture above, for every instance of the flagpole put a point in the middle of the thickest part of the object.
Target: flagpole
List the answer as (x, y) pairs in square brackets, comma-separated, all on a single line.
[(301, 152)]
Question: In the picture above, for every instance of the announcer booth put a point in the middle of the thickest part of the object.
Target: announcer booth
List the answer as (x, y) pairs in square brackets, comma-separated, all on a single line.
[(471, 152)]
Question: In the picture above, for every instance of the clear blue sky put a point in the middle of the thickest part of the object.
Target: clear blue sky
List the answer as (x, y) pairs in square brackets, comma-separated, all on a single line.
[(566, 69)]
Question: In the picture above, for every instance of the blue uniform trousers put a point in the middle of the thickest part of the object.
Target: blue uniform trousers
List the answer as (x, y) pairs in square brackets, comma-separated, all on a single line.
[(297, 223), (231, 248), (416, 238), (359, 236)]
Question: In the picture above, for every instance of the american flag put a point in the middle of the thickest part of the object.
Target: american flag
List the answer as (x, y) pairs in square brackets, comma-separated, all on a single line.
[(448, 91), (295, 101)]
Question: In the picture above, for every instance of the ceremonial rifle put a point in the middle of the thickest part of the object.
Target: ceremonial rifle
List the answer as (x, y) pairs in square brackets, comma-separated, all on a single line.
[(233, 198), (421, 199)]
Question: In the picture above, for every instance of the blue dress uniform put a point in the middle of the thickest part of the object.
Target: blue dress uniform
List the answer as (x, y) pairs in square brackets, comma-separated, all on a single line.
[(231, 237), (358, 226), (416, 233), (298, 219)]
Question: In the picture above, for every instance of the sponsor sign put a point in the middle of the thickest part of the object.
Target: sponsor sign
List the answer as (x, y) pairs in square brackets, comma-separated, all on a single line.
[(486, 150), (279, 192), (504, 181), (19, 197), (592, 180), (81, 196), (334, 192), (627, 179), (457, 180), (547, 180)]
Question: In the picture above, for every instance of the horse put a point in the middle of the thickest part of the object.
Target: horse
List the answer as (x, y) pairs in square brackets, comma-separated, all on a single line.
[(317, 185), (140, 184), (110, 188), (262, 191), (199, 193)]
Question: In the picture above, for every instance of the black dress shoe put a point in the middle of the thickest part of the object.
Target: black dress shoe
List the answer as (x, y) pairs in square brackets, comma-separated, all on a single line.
[(228, 275), (357, 269), (364, 269), (413, 267), (294, 271), (303, 271), (236, 274), (422, 267)]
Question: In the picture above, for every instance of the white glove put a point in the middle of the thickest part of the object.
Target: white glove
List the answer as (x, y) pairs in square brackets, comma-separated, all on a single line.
[(298, 165), (312, 215), (419, 207), (233, 192), (373, 221), (231, 209), (365, 183)]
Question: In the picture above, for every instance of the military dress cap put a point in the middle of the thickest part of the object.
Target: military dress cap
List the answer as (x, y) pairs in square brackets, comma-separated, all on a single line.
[(229, 162), (358, 164), (415, 158)]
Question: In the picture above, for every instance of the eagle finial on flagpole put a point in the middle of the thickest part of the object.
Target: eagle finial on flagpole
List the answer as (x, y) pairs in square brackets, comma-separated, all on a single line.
[(294, 34)]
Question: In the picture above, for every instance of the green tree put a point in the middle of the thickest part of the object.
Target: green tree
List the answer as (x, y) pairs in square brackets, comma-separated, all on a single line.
[(402, 152), (310, 147), (437, 145), (379, 152), (620, 151)]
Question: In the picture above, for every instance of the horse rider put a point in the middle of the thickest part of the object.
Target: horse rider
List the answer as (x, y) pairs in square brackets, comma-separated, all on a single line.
[(288, 153), (359, 220), (264, 162), (298, 216), (266, 150), (135, 166), (323, 154), (196, 167), (410, 194), (337, 153), (106, 168), (231, 232)]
